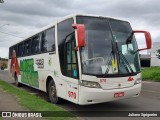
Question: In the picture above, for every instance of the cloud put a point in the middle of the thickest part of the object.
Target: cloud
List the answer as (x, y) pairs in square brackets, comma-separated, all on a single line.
[(3, 51), (28, 16)]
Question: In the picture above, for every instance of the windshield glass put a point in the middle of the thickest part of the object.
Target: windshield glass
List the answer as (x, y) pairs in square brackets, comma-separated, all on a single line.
[(121, 32), (100, 55)]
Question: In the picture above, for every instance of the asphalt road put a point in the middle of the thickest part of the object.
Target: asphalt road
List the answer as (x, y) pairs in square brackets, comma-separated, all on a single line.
[(149, 100)]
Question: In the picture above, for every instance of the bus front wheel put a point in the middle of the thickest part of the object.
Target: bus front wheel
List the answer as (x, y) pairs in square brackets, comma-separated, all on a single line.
[(52, 93)]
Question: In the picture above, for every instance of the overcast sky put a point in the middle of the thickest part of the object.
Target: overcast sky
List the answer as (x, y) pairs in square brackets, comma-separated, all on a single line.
[(27, 16)]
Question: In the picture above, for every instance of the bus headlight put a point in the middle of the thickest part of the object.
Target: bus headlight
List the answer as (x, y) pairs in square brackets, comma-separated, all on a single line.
[(90, 84), (137, 81)]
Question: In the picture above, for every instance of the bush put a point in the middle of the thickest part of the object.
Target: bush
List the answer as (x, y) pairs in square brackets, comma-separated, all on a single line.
[(4, 66), (152, 73)]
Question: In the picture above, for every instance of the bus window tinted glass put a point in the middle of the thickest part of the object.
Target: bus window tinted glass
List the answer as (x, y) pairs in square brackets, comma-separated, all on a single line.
[(48, 40), (36, 44), (10, 52), (20, 49), (27, 45), (16, 49)]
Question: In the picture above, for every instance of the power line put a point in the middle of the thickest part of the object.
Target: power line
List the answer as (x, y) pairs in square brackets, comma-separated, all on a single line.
[(10, 34), (7, 33)]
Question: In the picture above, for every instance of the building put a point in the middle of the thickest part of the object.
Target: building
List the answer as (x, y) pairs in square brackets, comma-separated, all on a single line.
[(155, 61), (145, 60), (151, 58)]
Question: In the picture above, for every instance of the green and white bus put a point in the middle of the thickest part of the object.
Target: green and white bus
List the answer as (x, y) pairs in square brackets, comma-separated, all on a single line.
[(84, 59)]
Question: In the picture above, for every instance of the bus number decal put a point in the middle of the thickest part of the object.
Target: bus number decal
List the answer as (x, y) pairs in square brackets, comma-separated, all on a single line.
[(72, 94)]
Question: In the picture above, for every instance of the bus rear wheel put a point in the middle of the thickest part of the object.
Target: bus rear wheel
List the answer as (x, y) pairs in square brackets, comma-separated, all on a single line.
[(52, 93)]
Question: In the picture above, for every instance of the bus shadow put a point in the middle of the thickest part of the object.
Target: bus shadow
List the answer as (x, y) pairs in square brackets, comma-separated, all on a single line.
[(120, 105), (34, 91)]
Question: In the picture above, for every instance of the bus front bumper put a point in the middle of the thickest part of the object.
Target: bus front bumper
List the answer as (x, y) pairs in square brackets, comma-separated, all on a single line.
[(98, 95)]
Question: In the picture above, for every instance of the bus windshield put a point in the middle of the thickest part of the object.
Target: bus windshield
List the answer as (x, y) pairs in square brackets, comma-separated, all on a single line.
[(107, 51)]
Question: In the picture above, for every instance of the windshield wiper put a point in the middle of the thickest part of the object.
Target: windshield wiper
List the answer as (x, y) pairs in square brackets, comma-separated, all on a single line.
[(126, 63), (108, 63), (123, 57)]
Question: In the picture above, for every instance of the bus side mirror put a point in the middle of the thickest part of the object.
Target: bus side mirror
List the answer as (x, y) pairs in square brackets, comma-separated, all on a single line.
[(80, 35), (147, 37)]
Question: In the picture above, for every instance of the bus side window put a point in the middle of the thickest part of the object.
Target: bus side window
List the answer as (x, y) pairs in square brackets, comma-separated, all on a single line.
[(16, 49), (10, 52), (27, 47), (36, 44), (70, 57), (43, 43), (48, 40), (20, 49)]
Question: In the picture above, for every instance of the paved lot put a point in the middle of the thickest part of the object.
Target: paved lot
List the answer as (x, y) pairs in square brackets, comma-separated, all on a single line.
[(149, 100), (9, 102)]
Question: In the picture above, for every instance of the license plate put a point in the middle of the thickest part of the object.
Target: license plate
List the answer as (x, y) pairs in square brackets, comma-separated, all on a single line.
[(119, 94)]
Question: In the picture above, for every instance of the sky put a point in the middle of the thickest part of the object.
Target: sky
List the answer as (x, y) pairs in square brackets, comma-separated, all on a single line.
[(20, 18)]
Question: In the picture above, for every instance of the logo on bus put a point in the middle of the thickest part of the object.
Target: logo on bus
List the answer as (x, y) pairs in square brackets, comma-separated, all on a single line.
[(40, 63), (103, 81), (130, 79)]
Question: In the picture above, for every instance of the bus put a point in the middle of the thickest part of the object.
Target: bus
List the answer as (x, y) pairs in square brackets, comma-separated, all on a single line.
[(85, 59)]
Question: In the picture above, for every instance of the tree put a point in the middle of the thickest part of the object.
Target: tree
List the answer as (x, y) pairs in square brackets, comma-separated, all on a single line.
[(3, 66), (158, 55)]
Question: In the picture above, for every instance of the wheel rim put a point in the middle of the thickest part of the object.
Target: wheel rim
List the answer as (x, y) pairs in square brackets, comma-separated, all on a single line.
[(53, 91)]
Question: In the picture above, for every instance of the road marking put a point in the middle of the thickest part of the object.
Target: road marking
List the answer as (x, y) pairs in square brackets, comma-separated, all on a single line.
[(150, 91)]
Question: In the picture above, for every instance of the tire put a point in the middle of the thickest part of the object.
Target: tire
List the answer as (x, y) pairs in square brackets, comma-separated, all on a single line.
[(52, 93), (16, 81)]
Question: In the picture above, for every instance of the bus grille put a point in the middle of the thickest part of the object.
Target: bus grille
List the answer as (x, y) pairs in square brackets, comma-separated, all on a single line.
[(117, 85)]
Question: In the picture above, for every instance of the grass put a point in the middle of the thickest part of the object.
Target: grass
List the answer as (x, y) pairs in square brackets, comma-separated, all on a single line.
[(34, 103), (152, 73)]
